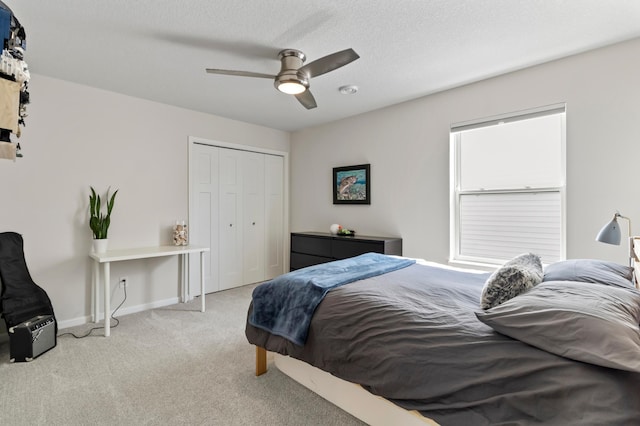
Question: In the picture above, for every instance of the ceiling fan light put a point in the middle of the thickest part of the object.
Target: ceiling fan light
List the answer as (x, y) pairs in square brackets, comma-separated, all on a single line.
[(291, 87)]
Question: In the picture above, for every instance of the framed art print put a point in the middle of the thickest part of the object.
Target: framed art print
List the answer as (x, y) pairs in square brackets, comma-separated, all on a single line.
[(352, 184)]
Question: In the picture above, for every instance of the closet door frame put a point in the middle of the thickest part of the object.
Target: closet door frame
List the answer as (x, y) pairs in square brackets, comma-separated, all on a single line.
[(192, 141)]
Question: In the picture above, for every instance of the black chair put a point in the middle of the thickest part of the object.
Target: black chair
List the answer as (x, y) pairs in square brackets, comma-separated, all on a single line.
[(21, 299)]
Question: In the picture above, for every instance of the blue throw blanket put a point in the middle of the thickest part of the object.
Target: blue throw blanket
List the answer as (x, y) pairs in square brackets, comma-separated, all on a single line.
[(284, 306)]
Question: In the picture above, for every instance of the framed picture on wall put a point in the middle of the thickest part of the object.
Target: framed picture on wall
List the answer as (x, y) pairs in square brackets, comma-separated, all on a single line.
[(352, 184)]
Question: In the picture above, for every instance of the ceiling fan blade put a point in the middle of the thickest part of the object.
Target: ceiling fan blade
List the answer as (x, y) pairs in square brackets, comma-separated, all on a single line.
[(329, 63), (306, 99), (239, 73)]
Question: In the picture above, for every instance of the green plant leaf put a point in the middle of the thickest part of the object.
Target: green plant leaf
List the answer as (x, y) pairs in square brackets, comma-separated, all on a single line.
[(98, 221)]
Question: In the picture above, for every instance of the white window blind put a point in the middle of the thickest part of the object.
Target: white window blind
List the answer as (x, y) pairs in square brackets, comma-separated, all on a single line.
[(508, 187), (502, 226)]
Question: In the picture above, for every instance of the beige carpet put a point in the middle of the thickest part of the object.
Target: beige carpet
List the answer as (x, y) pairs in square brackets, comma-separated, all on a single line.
[(168, 366)]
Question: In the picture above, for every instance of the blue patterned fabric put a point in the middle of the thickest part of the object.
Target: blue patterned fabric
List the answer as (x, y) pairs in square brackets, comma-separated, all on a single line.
[(284, 306)]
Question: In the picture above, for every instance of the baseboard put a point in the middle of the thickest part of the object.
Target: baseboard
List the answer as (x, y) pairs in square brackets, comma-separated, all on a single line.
[(4, 337), (122, 311)]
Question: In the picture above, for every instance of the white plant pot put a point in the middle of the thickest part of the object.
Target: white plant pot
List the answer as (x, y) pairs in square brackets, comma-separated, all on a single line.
[(100, 246)]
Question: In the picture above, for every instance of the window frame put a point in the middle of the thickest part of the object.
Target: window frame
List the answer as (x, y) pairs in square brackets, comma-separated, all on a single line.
[(456, 193)]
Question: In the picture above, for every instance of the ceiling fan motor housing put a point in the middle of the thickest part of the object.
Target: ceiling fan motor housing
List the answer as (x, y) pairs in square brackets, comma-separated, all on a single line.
[(291, 60)]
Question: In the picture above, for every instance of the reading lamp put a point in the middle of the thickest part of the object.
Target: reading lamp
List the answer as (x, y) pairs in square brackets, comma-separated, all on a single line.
[(610, 234)]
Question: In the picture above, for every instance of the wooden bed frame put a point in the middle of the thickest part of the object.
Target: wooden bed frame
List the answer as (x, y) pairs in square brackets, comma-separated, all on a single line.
[(354, 399), (634, 248), (350, 397)]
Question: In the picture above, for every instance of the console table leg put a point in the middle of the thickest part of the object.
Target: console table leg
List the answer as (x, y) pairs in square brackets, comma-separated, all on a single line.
[(181, 278), (202, 280), (95, 290), (107, 308)]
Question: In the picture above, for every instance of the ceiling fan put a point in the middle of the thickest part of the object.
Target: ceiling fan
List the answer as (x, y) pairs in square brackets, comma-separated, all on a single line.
[(294, 77)]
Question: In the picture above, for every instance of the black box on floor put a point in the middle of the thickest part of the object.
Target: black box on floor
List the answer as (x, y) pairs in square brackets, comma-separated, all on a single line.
[(32, 338)]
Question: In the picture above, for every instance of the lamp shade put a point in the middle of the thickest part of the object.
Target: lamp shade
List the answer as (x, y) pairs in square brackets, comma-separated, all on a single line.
[(610, 233)]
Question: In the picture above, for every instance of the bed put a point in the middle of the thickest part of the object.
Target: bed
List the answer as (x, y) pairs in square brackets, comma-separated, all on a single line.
[(562, 349)]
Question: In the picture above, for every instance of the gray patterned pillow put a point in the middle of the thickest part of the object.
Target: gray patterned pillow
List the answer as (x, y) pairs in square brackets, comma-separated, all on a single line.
[(513, 278)]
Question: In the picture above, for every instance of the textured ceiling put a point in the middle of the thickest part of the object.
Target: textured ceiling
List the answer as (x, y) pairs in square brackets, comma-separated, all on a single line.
[(159, 49)]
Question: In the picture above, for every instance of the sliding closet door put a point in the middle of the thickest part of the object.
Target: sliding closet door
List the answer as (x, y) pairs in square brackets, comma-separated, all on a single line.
[(237, 209), (204, 229), (253, 216), (230, 224), (274, 215)]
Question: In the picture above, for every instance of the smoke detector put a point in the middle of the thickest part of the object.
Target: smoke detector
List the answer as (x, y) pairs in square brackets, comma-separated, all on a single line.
[(350, 89)]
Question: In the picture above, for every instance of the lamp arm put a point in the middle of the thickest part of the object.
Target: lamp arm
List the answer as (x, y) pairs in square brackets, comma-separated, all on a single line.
[(632, 252), (627, 219)]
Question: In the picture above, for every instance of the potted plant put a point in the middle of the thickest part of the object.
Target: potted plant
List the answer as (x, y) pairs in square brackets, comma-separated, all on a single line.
[(98, 221)]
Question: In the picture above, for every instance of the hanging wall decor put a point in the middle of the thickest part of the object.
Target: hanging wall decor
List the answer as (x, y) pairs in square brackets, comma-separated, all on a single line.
[(352, 185), (14, 79)]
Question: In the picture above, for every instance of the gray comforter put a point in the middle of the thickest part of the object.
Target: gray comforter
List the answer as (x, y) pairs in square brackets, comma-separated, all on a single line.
[(412, 336)]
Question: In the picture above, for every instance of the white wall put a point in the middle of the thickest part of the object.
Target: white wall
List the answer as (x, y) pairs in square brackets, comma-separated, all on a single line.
[(408, 148), (76, 136)]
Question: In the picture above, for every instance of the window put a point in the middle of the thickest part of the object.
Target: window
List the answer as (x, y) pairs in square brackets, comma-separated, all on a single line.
[(508, 184)]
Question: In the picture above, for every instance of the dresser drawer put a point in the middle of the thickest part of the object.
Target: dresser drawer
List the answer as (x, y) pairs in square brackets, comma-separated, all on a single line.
[(312, 248), (344, 248), (311, 245), (300, 260)]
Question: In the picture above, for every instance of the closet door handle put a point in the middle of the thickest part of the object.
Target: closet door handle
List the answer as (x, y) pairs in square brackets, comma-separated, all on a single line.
[(231, 224), (253, 223)]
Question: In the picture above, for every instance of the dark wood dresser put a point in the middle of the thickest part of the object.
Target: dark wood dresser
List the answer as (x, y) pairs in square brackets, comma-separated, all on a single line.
[(311, 248)]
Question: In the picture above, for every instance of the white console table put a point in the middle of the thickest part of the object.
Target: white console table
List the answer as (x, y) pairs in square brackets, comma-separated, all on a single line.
[(133, 254)]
